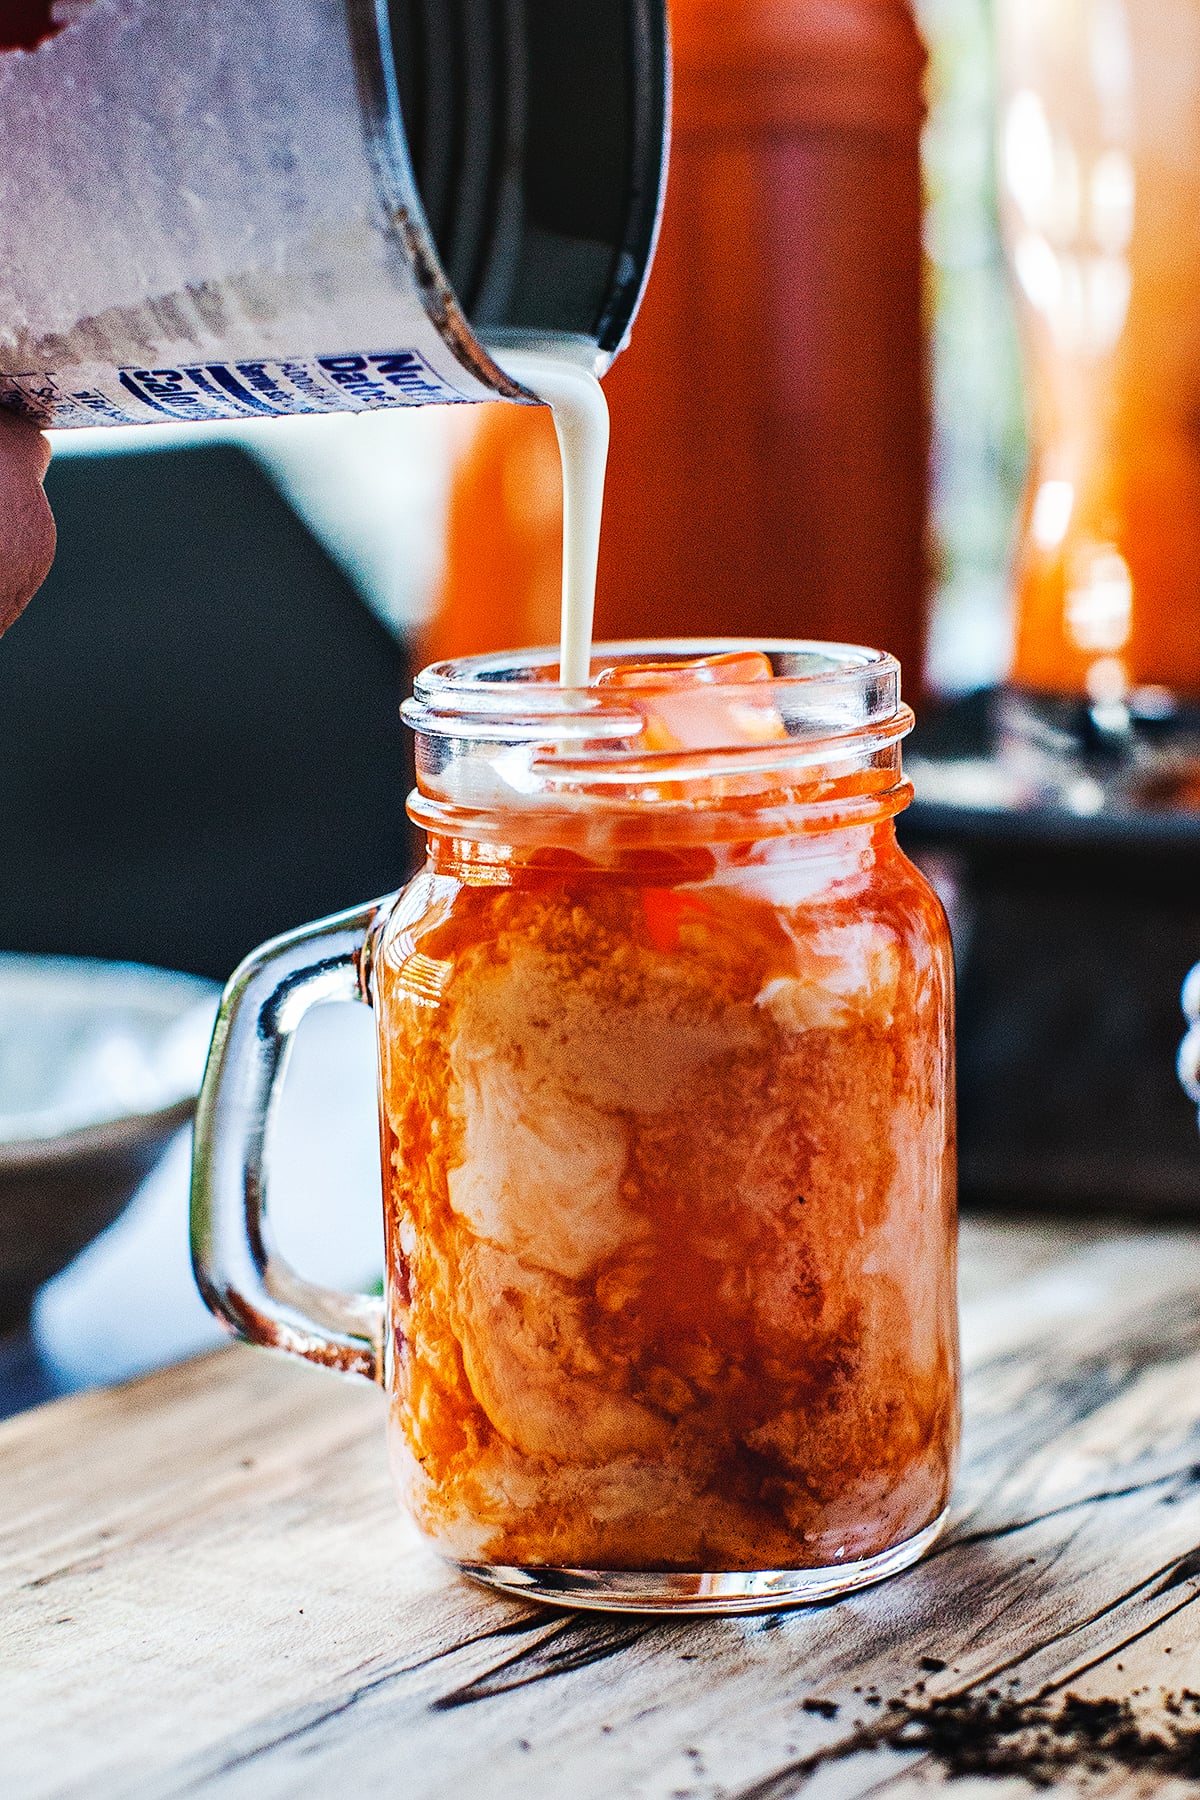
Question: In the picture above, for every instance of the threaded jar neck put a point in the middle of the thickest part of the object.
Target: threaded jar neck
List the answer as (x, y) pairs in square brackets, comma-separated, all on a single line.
[(643, 756)]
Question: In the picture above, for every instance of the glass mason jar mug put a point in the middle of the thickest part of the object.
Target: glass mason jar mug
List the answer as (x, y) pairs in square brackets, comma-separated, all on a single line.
[(666, 1105)]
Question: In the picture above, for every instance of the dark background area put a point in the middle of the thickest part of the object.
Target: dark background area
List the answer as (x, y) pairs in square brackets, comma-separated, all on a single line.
[(201, 737)]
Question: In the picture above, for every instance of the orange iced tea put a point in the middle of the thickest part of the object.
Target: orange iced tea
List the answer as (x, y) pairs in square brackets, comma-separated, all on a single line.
[(666, 1032)]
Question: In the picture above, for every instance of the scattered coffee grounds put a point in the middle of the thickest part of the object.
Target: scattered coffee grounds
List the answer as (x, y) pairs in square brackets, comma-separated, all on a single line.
[(972, 1734), (827, 1709), (24, 24)]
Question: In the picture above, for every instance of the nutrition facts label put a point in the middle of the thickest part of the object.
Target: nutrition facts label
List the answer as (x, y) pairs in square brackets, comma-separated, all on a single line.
[(351, 382)]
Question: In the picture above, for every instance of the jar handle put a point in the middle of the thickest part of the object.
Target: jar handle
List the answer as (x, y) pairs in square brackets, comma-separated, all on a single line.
[(241, 1276)]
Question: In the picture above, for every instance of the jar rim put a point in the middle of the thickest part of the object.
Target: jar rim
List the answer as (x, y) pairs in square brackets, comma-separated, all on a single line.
[(502, 748), (822, 691)]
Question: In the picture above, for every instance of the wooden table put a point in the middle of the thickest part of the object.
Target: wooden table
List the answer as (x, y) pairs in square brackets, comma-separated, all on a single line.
[(206, 1589)]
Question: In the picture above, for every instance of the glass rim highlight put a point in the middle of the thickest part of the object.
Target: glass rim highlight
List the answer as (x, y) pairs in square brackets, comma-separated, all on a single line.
[(821, 691)]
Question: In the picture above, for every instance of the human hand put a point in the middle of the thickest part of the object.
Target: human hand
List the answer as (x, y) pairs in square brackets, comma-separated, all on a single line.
[(26, 522)]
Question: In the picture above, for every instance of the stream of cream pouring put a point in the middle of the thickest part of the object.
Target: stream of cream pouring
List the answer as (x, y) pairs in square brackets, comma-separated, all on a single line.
[(562, 380)]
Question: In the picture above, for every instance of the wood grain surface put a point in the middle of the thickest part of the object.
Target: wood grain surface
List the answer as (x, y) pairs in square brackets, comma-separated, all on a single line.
[(206, 1589)]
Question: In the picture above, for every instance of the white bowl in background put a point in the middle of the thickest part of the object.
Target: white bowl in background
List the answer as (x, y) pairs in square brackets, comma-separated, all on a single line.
[(100, 1063)]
